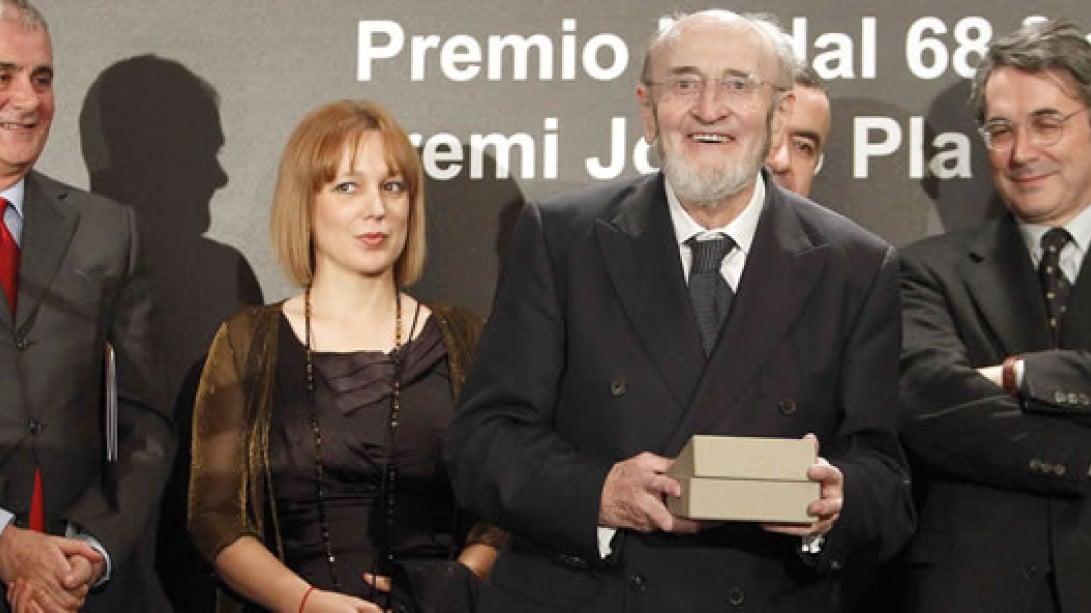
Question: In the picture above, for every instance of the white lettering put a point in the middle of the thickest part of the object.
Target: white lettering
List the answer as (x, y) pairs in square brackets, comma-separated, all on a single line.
[(420, 46), (366, 49), (953, 163), (595, 168), (502, 146), (520, 54), (460, 58), (550, 140), (916, 147), (442, 156), (568, 50), (863, 149), (617, 48)]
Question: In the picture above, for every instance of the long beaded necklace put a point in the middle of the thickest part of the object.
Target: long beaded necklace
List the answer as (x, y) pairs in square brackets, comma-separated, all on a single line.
[(390, 473)]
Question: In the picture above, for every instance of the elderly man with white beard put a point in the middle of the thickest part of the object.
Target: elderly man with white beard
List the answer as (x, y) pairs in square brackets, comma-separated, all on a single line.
[(703, 299)]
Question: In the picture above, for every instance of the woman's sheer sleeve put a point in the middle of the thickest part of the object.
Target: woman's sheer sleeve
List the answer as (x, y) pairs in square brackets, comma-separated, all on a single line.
[(218, 484)]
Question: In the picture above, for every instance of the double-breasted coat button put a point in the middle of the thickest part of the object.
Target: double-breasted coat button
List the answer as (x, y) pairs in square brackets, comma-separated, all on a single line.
[(573, 561), (736, 596), (787, 406), (1030, 571), (619, 386), (34, 426), (638, 583)]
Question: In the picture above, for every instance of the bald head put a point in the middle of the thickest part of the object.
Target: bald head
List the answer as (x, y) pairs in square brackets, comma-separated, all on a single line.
[(23, 12), (671, 30)]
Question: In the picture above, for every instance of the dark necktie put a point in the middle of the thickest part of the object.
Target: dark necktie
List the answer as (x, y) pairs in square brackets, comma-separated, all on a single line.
[(709, 292), (1054, 283), (9, 260)]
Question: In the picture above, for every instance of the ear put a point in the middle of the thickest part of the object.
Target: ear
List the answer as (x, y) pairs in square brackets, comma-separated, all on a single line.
[(783, 103), (647, 113)]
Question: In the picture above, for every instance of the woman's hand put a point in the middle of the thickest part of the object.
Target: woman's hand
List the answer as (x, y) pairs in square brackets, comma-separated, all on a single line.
[(321, 601), (379, 582)]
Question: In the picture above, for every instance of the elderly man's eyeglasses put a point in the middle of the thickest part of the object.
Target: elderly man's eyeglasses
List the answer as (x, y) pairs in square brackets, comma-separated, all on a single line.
[(1042, 129), (738, 88)]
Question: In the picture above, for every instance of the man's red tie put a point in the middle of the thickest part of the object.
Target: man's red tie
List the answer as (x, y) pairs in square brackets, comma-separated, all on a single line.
[(37, 504), (9, 260), (9, 276)]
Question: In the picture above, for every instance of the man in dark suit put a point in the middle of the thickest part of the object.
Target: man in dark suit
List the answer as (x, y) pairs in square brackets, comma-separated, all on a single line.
[(996, 366), (598, 362), (72, 281)]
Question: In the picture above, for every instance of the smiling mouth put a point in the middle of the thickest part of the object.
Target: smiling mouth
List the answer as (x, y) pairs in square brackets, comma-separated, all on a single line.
[(708, 138), (17, 125), (1027, 178)]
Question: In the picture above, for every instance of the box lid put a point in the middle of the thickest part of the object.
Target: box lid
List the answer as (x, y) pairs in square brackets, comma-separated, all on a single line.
[(743, 457)]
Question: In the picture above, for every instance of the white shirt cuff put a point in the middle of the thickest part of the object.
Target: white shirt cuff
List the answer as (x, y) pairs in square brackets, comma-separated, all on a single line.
[(6, 517), (605, 536), (74, 532)]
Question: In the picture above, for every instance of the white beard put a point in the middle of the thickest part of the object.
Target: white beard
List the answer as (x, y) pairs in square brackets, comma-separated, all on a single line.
[(708, 187)]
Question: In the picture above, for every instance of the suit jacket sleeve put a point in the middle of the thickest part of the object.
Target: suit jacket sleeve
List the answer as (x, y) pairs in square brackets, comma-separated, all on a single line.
[(117, 510), (1059, 383), (878, 515), (960, 424), (507, 462)]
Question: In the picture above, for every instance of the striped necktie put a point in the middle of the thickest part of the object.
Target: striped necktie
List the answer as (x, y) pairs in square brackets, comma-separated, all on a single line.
[(709, 292)]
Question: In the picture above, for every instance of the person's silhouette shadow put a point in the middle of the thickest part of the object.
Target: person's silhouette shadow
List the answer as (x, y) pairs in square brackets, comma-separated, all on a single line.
[(150, 132), (463, 214), (964, 202)]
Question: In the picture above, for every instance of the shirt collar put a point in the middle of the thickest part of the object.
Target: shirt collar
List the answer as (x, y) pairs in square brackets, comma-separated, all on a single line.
[(1079, 227), (741, 229), (14, 195)]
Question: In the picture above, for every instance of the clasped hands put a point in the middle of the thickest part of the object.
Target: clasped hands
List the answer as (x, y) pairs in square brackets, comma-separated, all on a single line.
[(634, 492), (45, 573)]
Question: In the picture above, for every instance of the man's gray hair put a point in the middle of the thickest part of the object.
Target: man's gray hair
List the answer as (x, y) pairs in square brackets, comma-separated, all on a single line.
[(765, 25), (24, 12), (1057, 44)]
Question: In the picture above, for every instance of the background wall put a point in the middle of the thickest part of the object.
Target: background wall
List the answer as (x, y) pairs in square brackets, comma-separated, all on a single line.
[(181, 109)]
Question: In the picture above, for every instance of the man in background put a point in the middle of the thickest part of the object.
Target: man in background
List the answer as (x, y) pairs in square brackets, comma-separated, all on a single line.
[(797, 158), (996, 369), (77, 486)]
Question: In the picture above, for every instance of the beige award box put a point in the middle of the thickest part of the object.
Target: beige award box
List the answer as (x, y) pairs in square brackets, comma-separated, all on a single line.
[(740, 478)]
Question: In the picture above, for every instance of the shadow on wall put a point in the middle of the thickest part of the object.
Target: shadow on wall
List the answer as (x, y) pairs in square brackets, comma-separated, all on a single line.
[(961, 202), (470, 222), (150, 132), (868, 200)]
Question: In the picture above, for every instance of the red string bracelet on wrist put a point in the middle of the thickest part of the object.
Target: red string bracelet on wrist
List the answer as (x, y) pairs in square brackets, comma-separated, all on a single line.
[(306, 595)]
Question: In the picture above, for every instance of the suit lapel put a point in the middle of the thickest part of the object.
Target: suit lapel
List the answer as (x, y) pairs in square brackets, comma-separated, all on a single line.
[(782, 270), (641, 256), (46, 235), (1003, 284)]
